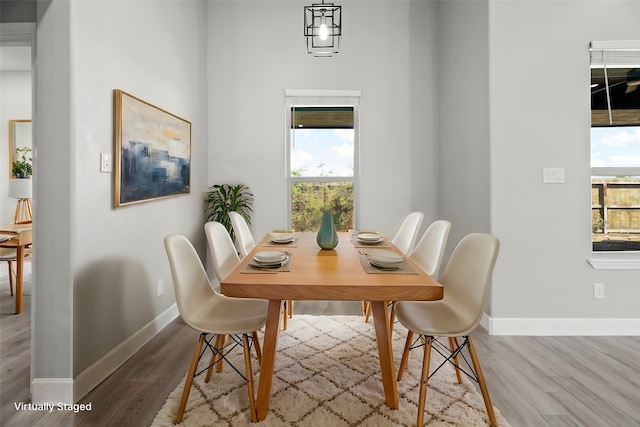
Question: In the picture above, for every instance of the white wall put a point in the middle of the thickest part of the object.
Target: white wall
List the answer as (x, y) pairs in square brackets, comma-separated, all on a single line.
[(97, 266), (540, 117), (248, 75), (15, 104)]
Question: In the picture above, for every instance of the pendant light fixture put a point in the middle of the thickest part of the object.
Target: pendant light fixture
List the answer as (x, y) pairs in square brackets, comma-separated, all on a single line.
[(323, 29)]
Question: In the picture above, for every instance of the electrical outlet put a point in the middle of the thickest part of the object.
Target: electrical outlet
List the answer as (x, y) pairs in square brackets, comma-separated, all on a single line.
[(105, 162), (598, 291), (160, 287)]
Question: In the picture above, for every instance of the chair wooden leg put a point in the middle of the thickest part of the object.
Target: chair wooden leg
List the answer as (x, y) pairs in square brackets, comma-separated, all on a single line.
[(218, 344), (189, 380), (453, 345), (284, 316), (221, 340), (249, 372), (10, 278), (481, 382), (405, 354), (256, 344), (392, 317), (364, 308), (210, 368), (422, 398), (367, 313)]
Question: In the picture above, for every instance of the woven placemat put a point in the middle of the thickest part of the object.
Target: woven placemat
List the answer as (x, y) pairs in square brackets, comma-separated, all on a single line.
[(292, 244)]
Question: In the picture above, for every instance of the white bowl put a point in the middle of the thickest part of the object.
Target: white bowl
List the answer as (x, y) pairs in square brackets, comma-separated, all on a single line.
[(384, 257), (368, 237), (269, 257), (282, 237)]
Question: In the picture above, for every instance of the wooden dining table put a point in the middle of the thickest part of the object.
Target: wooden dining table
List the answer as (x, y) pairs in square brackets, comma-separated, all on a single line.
[(336, 274), (20, 237)]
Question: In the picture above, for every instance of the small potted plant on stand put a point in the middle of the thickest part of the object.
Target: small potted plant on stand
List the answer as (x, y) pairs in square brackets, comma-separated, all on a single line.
[(225, 198), (22, 167)]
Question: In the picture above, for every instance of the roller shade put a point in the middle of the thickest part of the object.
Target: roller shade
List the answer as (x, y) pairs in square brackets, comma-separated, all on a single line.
[(622, 53), (615, 83)]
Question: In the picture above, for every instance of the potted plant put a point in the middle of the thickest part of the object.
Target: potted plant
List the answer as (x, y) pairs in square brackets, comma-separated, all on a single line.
[(225, 198), (22, 164)]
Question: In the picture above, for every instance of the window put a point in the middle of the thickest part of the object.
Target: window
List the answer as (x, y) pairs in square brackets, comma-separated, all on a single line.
[(322, 159), (615, 146)]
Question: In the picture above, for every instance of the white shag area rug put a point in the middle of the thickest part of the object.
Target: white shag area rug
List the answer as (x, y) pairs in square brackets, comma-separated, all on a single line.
[(328, 374)]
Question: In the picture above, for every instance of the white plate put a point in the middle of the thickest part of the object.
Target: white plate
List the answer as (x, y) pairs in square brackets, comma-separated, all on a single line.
[(384, 257), (370, 242), (269, 257), (277, 264), (385, 266), (368, 237), (282, 237)]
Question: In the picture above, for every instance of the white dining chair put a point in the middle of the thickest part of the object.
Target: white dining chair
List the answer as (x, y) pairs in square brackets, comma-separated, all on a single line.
[(466, 280), (214, 316), (244, 239), (428, 254), (223, 252), (407, 234), (9, 255), (225, 257), (404, 240)]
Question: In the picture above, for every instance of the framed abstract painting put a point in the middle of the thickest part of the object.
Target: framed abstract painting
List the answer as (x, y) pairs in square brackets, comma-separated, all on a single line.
[(152, 149)]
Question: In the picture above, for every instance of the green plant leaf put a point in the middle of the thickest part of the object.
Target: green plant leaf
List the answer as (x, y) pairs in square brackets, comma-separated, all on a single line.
[(224, 198)]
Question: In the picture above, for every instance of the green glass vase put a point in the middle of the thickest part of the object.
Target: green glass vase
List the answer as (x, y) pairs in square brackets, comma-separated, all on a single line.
[(327, 237)]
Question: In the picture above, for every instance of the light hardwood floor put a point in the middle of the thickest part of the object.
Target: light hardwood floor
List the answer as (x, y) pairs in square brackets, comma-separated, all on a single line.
[(534, 381)]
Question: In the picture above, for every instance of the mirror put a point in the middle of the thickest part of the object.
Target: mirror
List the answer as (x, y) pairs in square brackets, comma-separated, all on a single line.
[(19, 137)]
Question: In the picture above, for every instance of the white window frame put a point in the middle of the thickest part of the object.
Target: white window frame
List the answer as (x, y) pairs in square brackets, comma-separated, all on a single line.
[(319, 98), (615, 54)]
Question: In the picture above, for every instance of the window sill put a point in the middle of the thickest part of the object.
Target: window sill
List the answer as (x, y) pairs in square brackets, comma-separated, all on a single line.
[(615, 263)]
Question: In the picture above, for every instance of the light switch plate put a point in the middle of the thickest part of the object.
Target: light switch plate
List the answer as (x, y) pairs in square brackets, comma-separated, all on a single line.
[(553, 175), (105, 162)]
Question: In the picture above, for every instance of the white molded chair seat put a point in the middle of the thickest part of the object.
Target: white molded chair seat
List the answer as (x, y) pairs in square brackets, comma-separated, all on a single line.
[(244, 239), (212, 313), (466, 280), (404, 240), (430, 249), (407, 234), (244, 245), (428, 254), (9, 255), (223, 252)]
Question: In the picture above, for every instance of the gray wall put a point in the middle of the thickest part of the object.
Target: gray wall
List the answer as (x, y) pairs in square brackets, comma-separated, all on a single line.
[(540, 117), (248, 77), (463, 108), (97, 266)]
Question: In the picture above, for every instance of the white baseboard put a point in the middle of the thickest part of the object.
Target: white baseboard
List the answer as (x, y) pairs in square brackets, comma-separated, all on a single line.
[(106, 365), (561, 326), (52, 390)]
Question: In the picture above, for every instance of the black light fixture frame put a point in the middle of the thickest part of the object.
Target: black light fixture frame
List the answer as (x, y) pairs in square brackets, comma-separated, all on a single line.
[(314, 15)]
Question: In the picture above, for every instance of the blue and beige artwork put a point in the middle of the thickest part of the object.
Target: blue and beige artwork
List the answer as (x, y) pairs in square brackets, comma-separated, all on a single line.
[(155, 152), (150, 173)]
